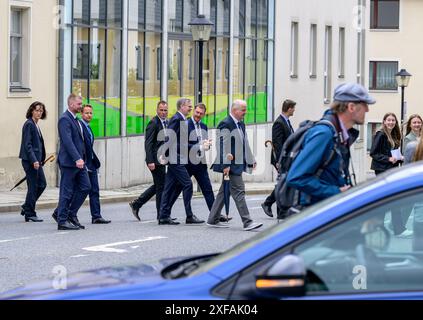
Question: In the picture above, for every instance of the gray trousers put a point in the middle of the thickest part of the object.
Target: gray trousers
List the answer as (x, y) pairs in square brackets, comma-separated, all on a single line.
[(238, 194)]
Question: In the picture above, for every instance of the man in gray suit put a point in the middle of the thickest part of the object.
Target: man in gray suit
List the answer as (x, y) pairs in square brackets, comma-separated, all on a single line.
[(232, 141)]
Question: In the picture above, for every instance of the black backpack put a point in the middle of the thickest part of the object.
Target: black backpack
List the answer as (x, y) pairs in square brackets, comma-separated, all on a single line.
[(288, 198)]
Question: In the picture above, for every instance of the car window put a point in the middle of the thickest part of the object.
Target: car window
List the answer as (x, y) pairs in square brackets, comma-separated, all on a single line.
[(379, 249)]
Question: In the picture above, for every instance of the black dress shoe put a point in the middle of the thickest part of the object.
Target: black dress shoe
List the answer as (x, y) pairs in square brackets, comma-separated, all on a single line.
[(267, 209), (33, 219), (168, 221), (224, 219), (67, 226), (22, 212), (76, 223), (100, 221), (54, 216), (135, 210), (193, 220)]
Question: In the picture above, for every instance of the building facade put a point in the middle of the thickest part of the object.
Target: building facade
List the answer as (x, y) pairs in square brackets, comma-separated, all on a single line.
[(392, 44), (123, 56), (28, 60), (319, 44)]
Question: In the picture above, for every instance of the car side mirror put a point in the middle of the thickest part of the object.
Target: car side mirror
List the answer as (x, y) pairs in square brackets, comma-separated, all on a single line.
[(286, 278)]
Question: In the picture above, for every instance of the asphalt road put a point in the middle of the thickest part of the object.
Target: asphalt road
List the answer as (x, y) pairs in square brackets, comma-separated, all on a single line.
[(30, 251)]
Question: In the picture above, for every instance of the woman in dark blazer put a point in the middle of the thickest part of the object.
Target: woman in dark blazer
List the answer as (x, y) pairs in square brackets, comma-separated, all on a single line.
[(385, 140), (33, 154), (388, 138)]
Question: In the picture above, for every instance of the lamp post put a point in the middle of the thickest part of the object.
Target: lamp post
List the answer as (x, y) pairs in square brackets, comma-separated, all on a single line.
[(402, 78), (200, 29)]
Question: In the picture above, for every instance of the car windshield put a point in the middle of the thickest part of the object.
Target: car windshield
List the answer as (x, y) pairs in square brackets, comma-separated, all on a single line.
[(287, 223)]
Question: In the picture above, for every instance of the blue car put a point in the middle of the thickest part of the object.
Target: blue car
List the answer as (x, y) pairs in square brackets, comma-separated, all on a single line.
[(366, 243)]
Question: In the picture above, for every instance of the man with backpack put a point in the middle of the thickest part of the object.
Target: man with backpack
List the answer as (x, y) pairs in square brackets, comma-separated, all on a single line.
[(321, 168)]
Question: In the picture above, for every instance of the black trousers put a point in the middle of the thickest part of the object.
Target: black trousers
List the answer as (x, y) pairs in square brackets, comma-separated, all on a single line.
[(159, 174), (36, 182)]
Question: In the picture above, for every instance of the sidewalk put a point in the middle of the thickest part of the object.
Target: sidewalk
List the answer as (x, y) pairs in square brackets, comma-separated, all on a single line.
[(11, 201)]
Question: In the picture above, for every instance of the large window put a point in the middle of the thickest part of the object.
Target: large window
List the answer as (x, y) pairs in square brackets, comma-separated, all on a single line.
[(98, 56), (382, 75), (251, 55), (96, 61), (384, 14), (144, 63)]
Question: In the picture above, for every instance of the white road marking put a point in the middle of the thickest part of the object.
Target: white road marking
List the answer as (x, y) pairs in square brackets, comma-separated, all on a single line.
[(17, 239), (107, 247), (80, 256), (34, 237), (135, 247)]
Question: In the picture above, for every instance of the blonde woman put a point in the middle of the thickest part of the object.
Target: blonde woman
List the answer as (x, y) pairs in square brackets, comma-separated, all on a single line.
[(385, 140), (413, 129)]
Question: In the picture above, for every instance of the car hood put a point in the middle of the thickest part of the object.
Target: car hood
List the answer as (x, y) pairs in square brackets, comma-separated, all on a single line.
[(92, 279)]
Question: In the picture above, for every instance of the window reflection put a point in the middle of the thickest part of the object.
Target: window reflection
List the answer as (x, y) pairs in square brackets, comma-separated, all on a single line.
[(112, 111), (135, 100)]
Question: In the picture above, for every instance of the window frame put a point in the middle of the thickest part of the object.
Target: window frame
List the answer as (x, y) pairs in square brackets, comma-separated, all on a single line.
[(373, 86), (341, 52), (293, 73), (327, 70), (22, 87), (374, 15), (313, 51)]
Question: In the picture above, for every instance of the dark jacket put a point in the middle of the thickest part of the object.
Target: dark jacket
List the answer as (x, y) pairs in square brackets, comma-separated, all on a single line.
[(193, 144), (280, 132), (32, 144), (381, 152), (72, 146), (318, 144), (93, 163), (152, 144), (229, 141)]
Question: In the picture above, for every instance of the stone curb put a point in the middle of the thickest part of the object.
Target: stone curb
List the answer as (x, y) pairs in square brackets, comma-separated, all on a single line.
[(51, 204)]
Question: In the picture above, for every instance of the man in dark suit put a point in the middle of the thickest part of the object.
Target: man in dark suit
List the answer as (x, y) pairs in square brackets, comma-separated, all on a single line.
[(154, 139), (93, 164), (177, 171), (74, 180), (234, 157), (281, 130), (198, 144)]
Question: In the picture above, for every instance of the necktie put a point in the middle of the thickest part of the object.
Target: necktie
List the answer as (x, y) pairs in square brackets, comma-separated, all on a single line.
[(165, 123), (90, 131), (290, 127)]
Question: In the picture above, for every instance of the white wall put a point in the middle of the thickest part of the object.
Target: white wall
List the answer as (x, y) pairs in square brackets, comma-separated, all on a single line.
[(308, 92)]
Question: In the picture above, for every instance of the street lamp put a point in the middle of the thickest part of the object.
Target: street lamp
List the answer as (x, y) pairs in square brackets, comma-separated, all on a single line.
[(200, 29), (403, 78)]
